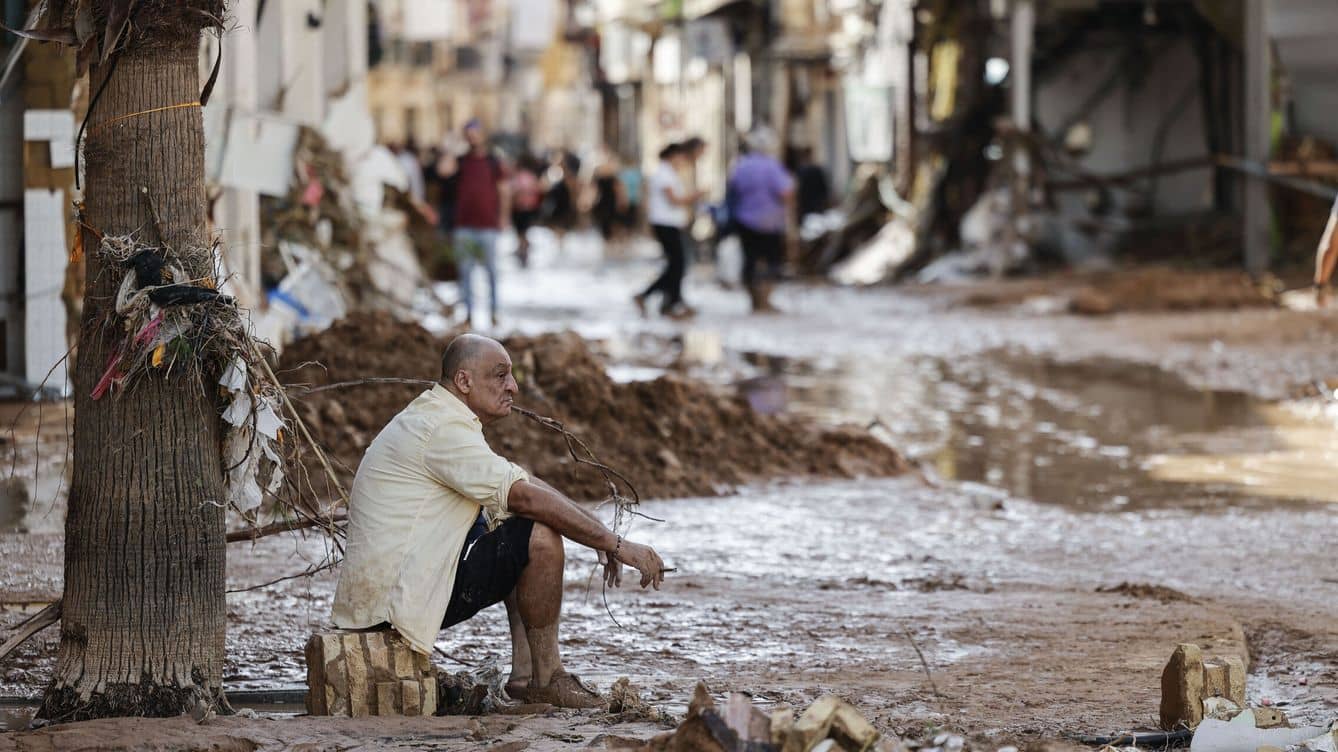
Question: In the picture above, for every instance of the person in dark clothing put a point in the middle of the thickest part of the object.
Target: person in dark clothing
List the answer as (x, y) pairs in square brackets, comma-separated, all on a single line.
[(813, 193), (526, 198), (667, 209)]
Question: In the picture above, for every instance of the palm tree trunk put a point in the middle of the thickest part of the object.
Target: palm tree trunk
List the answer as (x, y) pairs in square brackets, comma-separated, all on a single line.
[(144, 616)]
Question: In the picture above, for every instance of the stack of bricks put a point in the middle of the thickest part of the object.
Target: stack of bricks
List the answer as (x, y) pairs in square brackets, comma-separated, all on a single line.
[(368, 673)]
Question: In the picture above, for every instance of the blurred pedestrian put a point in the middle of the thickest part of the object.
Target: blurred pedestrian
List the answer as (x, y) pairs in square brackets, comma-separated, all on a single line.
[(407, 154), (610, 201), (527, 196), (561, 211), (630, 177), (481, 210), (668, 205), (813, 193), (761, 192)]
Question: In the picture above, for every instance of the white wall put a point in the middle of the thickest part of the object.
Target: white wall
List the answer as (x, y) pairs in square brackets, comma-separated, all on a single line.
[(1125, 125)]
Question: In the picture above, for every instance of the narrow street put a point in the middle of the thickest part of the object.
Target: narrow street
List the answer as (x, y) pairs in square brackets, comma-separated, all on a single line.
[(1094, 491)]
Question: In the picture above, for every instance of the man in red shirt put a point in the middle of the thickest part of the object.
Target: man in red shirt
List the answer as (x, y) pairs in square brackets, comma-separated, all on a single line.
[(481, 211)]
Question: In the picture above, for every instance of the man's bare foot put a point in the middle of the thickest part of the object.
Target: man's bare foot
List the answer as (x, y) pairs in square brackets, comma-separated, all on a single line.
[(640, 301), (564, 690)]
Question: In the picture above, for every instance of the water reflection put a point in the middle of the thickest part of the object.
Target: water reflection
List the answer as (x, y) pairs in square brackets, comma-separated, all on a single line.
[(1093, 435)]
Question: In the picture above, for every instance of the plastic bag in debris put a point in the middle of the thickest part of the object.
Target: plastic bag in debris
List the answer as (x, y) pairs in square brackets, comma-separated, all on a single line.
[(819, 224), (309, 295), (173, 295), (234, 376), (1240, 735), (878, 259)]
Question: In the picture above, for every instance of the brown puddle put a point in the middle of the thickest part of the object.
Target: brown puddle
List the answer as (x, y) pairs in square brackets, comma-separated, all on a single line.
[(1095, 435)]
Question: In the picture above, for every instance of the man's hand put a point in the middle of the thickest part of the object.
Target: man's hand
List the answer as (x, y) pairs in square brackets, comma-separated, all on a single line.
[(613, 570), (644, 560)]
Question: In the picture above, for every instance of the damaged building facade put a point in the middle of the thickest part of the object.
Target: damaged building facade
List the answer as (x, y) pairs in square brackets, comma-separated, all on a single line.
[(960, 138)]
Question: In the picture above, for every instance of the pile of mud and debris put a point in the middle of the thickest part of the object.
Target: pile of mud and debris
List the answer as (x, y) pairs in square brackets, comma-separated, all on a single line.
[(671, 437), (1143, 289)]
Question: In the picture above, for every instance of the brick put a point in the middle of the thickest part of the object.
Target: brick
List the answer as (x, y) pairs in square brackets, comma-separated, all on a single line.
[(813, 724), (387, 698), (411, 697), (378, 658), (429, 685), (851, 729), (315, 677), (1182, 688), (357, 674), (405, 667), (358, 688)]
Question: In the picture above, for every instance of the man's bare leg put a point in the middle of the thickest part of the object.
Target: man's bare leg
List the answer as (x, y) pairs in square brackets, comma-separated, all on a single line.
[(521, 666), (538, 598)]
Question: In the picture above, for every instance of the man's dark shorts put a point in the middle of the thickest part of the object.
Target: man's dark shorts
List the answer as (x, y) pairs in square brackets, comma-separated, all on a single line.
[(490, 567)]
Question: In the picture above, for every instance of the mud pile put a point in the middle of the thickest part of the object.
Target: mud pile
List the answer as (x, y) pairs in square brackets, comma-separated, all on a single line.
[(1164, 289), (671, 437), (1137, 289)]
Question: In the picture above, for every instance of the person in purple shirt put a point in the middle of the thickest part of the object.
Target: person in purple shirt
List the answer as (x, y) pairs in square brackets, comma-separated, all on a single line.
[(760, 192)]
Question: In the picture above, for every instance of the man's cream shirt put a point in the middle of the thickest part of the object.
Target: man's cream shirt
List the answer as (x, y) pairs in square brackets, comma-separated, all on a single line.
[(418, 490)]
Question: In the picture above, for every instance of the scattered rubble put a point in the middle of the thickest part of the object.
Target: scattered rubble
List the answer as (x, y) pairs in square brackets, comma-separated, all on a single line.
[(673, 437), (626, 705), (476, 692), (1189, 679), (1147, 591), (828, 725)]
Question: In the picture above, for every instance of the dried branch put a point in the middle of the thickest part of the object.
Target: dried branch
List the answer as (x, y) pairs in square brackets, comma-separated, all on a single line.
[(309, 571), (31, 626), (236, 536), (925, 665)]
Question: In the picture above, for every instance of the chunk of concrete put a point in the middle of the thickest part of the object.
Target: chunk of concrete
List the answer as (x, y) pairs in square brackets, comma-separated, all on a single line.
[(1182, 688), (368, 673), (852, 730), (1224, 677), (1190, 683)]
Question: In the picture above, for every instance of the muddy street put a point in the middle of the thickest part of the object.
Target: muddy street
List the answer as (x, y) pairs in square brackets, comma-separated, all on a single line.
[(1091, 492)]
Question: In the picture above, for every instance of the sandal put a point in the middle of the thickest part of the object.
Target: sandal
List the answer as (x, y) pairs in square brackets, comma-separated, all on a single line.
[(564, 690)]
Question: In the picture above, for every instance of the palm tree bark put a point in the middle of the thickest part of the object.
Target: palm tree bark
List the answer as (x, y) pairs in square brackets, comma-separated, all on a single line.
[(142, 631)]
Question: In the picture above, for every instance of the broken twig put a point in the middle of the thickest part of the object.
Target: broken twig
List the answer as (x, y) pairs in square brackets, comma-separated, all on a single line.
[(236, 536), (31, 626), (925, 665)]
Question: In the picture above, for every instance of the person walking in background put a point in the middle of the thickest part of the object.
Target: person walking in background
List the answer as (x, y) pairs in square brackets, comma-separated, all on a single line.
[(630, 177), (527, 196), (813, 192), (761, 192), (667, 209), (610, 202), (481, 209)]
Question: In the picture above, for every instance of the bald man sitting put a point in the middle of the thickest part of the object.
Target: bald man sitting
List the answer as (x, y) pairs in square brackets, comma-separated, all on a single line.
[(440, 527)]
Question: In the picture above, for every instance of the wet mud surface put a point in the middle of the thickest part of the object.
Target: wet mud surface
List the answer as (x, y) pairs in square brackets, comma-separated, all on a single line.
[(1097, 491)]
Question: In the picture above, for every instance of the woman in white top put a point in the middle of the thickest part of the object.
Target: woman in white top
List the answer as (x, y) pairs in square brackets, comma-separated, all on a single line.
[(667, 205)]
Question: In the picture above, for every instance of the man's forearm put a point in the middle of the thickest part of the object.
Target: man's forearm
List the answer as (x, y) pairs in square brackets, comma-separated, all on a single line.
[(547, 486), (542, 503)]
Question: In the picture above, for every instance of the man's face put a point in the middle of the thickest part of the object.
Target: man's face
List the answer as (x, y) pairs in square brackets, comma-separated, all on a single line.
[(474, 136), (488, 386)]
